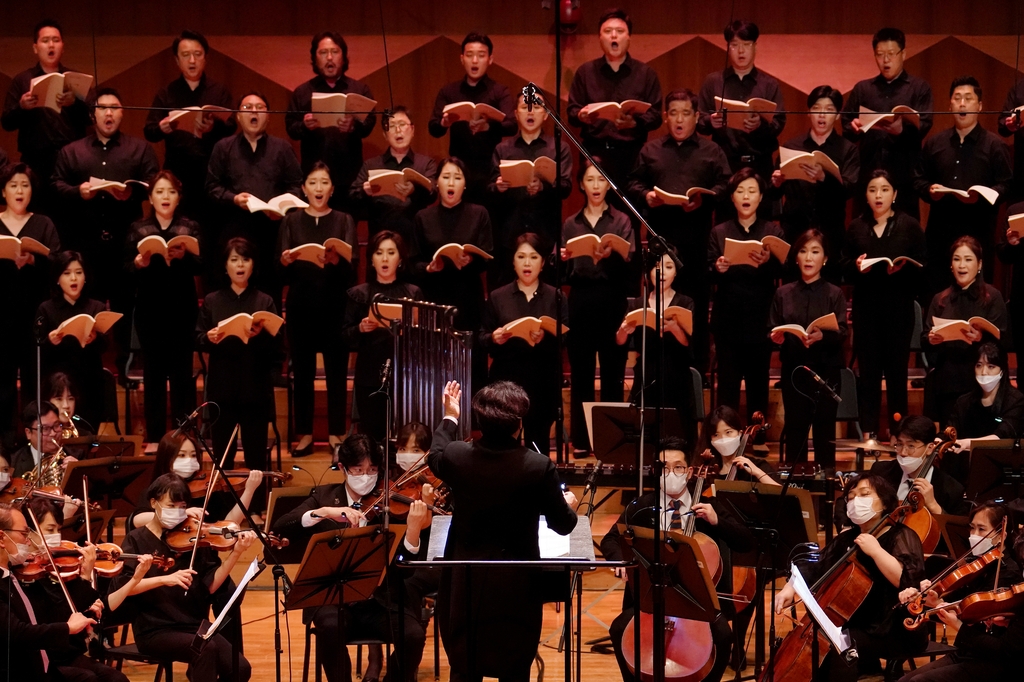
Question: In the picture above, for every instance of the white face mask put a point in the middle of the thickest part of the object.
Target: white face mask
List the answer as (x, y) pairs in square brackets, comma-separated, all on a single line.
[(171, 516), (674, 484), (909, 464), (406, 460), (24, 552), (362, 484), (726, 446), (980, 544), (185, 466), (988, 381), (860, 509), (52, 539)]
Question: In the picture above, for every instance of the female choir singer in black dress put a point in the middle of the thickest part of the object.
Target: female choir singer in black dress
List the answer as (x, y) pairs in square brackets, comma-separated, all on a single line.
[(165, 305), (367, 335), (597, 302), (240, 375), (25, 283), (883, 299), (969, 296), (534, 364), (821, 351), (61, 353), (894, 560), (663, 367), (743, 296), (315, 305)]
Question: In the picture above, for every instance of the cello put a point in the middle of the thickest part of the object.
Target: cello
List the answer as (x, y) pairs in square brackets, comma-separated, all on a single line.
[(840, 591), (689, 645), (920, 520)]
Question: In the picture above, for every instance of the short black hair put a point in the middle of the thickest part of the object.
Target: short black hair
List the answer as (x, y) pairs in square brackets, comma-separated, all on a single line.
[(806, 237), (886, 493), (995, 355), (379, 238), (189, 34), (917, 427), (585, 164), (673, 443), (825, 92), (242, 246), (477, 37), (417, 430), (61, 261), (401, 109), (744, 30), (29, 413), (455, 161), (966, 80), (357, 448), (168, 484), (46, 23), (534, 240), (57, 383), (257, 93), (8, 172), (882, 173), (105, 92), (885, 35), (616, 13), (742, 175), (500, 407), (681, 95), (338, 40), (317, 166)]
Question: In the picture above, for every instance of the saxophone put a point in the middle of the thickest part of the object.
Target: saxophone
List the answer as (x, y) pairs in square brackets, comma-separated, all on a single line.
[(50, 472)]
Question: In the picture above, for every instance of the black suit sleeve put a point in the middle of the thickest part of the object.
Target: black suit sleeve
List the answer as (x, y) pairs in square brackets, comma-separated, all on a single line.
[(290, 525), (443, 435), (560, 516)]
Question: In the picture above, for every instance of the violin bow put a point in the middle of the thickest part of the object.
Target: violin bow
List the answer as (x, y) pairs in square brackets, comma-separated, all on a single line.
[(206, 502), (53, 564), (88, 525), (999, 562)]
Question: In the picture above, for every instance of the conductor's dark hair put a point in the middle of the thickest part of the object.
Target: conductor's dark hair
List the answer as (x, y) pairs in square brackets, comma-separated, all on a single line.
[(417, 430), (46, 23), (8, 172), (59, 382), (455, 161), (885, 35), (995, 511), (240, 245), (477, 37), (338, 40), (886, 493), (917, 427), (167, 451), (673, 443), (616, 13), (61, 261), (42, 506), (500, 407), (189, 34), (961, 81), (257, 93), (722, 413), (825, 92), (358, 448), (29, 413), (745, 174), (744, 30), (682, 95), (808, 236), (168, 484)]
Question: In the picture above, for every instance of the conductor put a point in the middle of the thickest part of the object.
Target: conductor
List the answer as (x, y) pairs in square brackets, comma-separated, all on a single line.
[(490, 617)]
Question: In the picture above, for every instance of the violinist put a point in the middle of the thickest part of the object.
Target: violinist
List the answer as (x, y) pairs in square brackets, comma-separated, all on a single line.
[(894, 561), (176, 453), (721, 439), (172, 604), (340, 506), (20, 631), (677, 503), (988, 650)]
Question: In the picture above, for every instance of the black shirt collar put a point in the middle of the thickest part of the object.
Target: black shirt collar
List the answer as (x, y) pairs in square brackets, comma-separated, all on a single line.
[(972, 136), (902, 78), (817, 284), (388, 157), (115, 140), (669, 141), (538, 142), (972, 292), (624, 69), (482, 84), (581, 218), (730, 72)]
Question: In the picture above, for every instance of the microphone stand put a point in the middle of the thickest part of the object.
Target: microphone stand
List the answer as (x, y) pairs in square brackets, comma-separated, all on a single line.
[(190, 427), (39, 391), (659, 572)]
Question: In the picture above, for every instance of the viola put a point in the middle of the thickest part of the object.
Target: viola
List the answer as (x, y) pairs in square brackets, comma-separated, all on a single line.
[(218, 535), (921, 520), (405, 490), (236, 479), (110, 560)]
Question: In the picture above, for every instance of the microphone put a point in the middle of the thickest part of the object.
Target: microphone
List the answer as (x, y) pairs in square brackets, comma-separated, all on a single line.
[(385, 371), (187, 421), (821, 382), (530, 95), (385, 120), (591, 479)]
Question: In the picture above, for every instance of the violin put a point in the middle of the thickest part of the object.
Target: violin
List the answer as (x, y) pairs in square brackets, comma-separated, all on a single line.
[(920, 520), (980, 606), (66, 558), (110, 560), (689, 646), (407, 489), (840, 592), (956, 576), (197, 484), (218, 535)]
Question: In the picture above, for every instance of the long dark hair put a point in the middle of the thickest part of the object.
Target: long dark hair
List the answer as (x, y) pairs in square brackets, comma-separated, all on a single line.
[(722, 413)]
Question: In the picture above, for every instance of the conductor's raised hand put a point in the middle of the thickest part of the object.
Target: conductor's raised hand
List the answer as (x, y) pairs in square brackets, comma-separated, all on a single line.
[(451, 398)]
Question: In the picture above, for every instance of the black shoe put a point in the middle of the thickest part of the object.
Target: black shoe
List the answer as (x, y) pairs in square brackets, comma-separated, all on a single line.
[(303, 452)]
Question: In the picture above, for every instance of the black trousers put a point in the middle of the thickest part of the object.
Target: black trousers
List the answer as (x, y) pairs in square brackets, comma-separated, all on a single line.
[(86, 669), (367, 620), (304, 341), (167, 359), (743, 361), (584, 352), (214, 663), (954, 669), (804, 413), (721, 635), (882, 349), (871, 648), (253, 418), (372, 411)]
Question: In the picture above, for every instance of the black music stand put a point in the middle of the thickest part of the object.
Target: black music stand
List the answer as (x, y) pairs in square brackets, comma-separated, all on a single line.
[(73, 528), (118, 481), (282, 501), (94, 447), (996, 471), (955, 531), (780, 518), (615, 430)]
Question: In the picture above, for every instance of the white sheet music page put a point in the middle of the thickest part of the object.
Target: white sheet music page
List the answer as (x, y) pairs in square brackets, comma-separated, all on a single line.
[(840, 640)]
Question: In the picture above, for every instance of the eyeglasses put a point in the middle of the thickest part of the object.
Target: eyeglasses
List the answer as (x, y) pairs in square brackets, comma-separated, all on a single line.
[(907, 447), (890, 54), (400, 125), (23, 531), (55, 428), (372, 471), (253, 107), (678, 469)]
